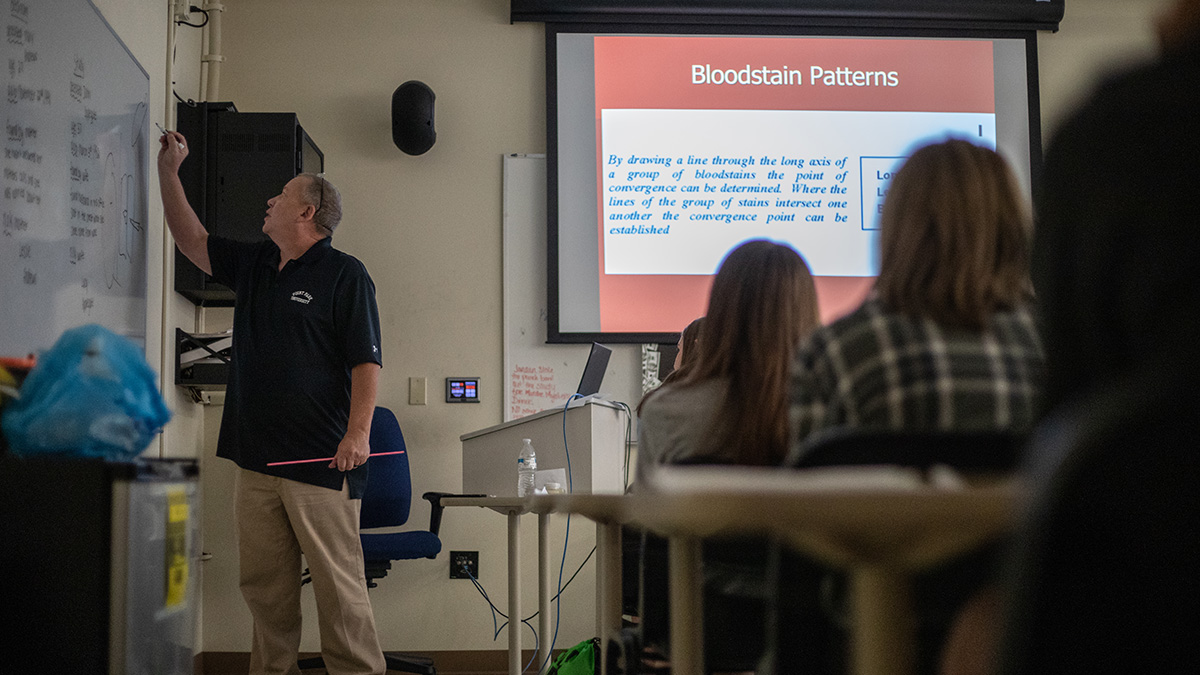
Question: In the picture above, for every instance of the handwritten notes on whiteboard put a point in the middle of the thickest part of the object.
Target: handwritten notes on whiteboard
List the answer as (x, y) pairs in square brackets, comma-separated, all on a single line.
[(534, 388), (73, 206)]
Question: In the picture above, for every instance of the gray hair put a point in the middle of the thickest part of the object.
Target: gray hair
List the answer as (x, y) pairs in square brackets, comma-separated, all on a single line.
[(326, 199)]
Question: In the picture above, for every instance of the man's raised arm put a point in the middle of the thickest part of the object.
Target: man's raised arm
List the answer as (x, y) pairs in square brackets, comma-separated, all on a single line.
[(189, 233)]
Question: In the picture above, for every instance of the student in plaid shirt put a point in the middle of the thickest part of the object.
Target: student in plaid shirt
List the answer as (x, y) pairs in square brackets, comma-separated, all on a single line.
[(946, 340)]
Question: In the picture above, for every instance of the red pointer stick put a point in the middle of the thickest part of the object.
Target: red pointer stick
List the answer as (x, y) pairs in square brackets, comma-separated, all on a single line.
[(330, 459)]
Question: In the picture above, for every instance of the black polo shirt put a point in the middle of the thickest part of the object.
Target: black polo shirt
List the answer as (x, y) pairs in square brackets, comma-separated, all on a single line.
[(297, 332)]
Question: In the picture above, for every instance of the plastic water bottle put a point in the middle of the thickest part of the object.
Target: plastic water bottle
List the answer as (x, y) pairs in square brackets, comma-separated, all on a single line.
[(526, 468)]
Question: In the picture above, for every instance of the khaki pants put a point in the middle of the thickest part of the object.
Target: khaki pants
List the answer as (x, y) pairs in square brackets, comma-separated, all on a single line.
[(277, 521)]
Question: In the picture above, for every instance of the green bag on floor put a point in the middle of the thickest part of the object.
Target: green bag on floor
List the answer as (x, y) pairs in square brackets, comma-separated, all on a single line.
[(582, 659)]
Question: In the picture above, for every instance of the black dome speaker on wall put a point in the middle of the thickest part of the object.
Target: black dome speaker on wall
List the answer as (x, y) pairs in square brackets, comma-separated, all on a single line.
[(412, 118)]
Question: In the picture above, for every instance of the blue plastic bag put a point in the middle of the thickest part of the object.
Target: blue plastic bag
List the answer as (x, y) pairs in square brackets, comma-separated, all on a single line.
[(91, 395)]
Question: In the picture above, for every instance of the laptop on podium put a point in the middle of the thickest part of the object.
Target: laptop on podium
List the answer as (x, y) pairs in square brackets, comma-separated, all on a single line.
[(593, 371)]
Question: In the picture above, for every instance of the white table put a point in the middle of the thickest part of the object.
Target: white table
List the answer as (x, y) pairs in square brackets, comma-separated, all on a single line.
[(880, 525), (514, 508), (608, 553)]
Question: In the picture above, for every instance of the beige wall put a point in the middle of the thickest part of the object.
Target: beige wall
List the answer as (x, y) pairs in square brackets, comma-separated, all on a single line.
[(428, 229)]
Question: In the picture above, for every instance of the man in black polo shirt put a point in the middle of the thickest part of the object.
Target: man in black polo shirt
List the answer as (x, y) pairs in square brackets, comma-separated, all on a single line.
[(302, 385)]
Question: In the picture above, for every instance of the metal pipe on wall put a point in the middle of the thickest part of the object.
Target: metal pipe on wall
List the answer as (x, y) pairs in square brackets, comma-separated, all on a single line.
[(166, 352), (212, 56)]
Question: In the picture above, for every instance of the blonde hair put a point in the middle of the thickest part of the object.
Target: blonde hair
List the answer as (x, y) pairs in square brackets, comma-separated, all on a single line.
[(954, 237), (763, 302)]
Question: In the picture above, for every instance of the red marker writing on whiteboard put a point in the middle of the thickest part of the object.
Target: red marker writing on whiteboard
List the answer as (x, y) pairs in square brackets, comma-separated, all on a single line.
[(330, 459)]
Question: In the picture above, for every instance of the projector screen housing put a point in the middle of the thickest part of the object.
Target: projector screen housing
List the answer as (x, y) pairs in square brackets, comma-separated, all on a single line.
[(668, 144), (890, 14)]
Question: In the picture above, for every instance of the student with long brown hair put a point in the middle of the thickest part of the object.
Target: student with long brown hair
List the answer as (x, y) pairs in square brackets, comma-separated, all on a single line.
[(731, 406), (946, 341)]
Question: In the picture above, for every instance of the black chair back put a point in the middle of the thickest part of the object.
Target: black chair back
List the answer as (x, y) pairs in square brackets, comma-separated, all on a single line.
[(967, 451)]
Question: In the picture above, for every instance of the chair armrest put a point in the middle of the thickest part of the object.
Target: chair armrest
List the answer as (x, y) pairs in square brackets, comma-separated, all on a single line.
[(436, 508)]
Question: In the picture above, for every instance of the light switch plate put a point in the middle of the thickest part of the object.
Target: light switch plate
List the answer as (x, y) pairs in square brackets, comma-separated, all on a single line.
[(417, 391)]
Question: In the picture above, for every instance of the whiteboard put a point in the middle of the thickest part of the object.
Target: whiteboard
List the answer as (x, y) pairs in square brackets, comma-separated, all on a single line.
[(73, 210), (540, 376)]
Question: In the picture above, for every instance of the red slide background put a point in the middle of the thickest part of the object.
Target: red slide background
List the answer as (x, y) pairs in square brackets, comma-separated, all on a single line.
[(656, 72)]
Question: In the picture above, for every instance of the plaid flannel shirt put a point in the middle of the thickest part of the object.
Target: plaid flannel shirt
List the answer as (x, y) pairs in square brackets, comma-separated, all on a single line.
[(880, 370)]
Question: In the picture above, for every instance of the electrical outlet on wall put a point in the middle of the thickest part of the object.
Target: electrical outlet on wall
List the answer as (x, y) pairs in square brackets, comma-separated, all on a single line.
[(183, 11), (464, 564)]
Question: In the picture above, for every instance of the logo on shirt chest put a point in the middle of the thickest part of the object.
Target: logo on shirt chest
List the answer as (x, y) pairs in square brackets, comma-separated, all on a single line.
[(302, 297)]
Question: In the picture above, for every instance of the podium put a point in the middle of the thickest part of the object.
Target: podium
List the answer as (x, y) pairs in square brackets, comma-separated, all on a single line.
[(595, 439)]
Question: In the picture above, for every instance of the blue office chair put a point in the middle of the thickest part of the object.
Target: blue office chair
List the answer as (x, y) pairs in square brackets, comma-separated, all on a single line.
[(386, 504)]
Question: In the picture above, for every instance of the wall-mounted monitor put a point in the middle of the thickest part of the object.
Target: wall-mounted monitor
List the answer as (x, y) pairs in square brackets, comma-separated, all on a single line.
[(670, 144)]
